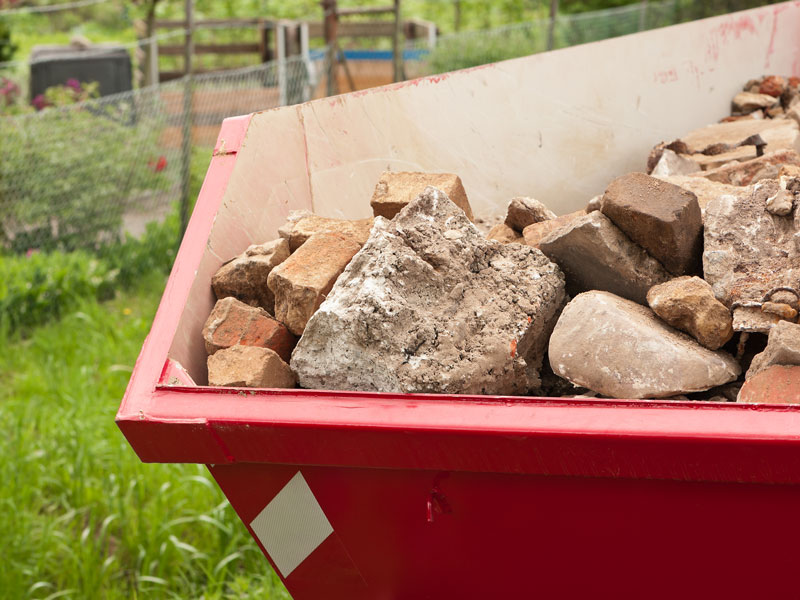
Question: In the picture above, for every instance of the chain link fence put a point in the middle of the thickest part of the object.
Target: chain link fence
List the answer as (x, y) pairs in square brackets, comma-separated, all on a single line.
[(79, 176)]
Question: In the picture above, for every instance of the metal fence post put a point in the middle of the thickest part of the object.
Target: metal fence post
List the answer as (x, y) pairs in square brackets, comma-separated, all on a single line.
[(643, 16), (280, 55), (186, 145), (551, 27)]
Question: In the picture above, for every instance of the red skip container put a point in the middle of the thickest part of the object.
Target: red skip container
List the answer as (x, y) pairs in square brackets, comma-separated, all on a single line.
[(359, 495)]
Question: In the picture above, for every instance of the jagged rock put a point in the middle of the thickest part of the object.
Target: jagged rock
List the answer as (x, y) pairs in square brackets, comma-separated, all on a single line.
[(303, 280), (396, 189), (595, 255), (774, 385), (429, 305), (302, 225), (747, 172), (536, 232), (232, 322), (749, 252), (504, 234), (662, 218), (671, 164), (783, 348), (621, 349), (245, 277), (780, 203), (249, 366), (747, 102), (596, 203), (688, 304), (772, 85), (526, 211)]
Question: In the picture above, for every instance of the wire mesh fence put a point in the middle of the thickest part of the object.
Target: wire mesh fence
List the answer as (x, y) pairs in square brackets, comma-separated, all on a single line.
[(79, 176)]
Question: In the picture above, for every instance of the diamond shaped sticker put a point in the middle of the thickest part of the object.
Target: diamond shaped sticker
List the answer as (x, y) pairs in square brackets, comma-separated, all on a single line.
[(292, 525)]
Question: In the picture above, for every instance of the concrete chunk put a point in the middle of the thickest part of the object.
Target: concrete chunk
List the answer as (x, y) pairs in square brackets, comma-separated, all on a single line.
[(232, 322), (688, 304), (747, 102), (662, 218), (395, 190), (429, 305), (249, 366), (749, 252), (671, 164), (621, 349), (245, 276), (302, 281), (753, 170), (595, 255), (783, 348), (524, 211)]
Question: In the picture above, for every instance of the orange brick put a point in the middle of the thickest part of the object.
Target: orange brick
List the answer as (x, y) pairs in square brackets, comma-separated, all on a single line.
[(249, 366), (396, 189), (776, 385), (233, 323), (303, 280)]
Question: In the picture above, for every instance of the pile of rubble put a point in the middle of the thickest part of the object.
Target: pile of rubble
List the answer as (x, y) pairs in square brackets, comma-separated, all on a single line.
[(679, 283)]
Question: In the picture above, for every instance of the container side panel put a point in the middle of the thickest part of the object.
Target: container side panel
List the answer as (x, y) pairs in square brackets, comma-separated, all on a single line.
[(435, 534), (556, 126)]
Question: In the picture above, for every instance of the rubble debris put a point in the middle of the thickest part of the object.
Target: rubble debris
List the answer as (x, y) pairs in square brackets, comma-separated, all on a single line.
[(676, 146), (671, 164), (299, 230), (504, 234), (596, 255), (749, 253), (536, 232), (621, 349), (772, 85), (245, 276), (753, 170), (774, 385), (747, 102), (688, 304), (662, 218), (249, 366), (303, 280), (704, 189), (783, 348), (524, 211), (232, 322), (397, 189), (428, 305), (596, 203), (779, 134)]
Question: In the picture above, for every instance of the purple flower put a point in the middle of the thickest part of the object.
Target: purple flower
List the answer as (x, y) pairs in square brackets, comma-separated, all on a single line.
[(39, 102), (74, 84)]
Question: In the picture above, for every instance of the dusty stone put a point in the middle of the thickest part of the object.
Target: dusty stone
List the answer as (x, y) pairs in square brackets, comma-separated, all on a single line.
[(793, 113), (775, 112), (245, 277), (774, 385), (302, 229), (780, 203), (747, 172), (781, 134), (596, 203), (421, 309), (783, 311), (249, 366), (772, 85), (671, 164), (285, 230), (232, 322), (504, 234), (688, 304), (783, 348), (526, 211), (595, 255), (536, 232), (621, 349), (677, 146), (397, 189), (749, 252), (705, 189), (661, 217), (747, 102), (303, 280)]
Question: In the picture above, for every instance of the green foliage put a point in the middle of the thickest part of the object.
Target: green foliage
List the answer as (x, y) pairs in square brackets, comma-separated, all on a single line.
[(62, 172), (82, 516), (7, 46), (472, 49)]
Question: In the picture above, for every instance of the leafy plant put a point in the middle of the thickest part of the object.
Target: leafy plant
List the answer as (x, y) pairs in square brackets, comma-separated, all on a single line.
[(7, 47)]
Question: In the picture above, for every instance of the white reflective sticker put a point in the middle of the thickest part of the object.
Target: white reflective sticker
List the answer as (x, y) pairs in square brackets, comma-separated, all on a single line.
[(292, 525)]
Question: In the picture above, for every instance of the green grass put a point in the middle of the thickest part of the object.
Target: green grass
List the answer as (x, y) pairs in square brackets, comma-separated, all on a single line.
[(82, 516)]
